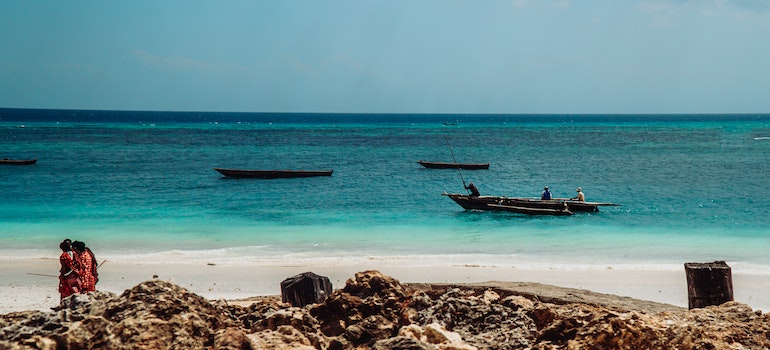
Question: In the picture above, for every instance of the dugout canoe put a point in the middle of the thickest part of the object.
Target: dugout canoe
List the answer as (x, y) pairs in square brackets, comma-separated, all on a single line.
[(446, 165), (272, 174), (7, 161), (499, 203)]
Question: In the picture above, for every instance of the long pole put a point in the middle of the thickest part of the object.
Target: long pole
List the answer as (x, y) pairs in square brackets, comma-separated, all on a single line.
[(455, 160), (41, 274)]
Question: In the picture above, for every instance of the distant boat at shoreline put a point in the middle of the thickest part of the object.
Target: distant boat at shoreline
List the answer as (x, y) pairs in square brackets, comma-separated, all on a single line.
[(272, 174), (445, 165), (7, 161)]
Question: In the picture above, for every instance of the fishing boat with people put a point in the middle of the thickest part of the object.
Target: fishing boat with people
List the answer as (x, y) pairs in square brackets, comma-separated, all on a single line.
[(502, 203), (530, 206), (8, 161), (446, 165), (272, 174)]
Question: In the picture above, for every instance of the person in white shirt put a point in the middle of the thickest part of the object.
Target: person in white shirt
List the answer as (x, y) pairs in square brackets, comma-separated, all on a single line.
[(580, 196)]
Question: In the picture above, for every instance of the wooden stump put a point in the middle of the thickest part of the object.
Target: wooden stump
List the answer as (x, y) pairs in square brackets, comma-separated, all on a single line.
[(305, 288), (708, 284)]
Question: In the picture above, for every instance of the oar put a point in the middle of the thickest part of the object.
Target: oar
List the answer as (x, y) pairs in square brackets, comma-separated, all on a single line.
[(41, 274), (455, 160)]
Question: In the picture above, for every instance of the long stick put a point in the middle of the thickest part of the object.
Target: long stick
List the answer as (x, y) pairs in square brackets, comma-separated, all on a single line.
[(100, 265), (455, 160), (41, 274)]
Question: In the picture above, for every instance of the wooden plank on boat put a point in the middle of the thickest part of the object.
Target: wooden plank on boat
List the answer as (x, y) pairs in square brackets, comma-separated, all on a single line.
[(530, 211), (446, 165), (601, 204), (272, 174)]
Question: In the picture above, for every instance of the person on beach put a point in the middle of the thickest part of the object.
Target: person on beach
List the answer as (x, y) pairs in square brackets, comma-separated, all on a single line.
[(69, 274), (546, 194), (474, 190), (88, 267), (580, 196)]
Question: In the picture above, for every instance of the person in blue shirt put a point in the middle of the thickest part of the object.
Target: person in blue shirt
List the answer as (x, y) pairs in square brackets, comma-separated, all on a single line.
[(546, 194)]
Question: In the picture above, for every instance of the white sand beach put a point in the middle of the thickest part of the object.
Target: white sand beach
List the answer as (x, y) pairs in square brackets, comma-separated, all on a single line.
[(23, 286)]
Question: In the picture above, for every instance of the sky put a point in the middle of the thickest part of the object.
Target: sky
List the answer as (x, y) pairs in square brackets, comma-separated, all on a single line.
[(389, 56)]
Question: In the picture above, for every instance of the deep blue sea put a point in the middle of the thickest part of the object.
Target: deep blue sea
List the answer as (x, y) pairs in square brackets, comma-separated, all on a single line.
[(141, 186)]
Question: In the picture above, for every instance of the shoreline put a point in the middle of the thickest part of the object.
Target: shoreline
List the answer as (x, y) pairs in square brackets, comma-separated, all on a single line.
[(22, 288)]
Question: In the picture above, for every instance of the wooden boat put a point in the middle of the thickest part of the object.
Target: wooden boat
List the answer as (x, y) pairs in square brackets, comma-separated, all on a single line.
[(483, 202), (18, 161), (445, 165), (499, 203), (272, 174)]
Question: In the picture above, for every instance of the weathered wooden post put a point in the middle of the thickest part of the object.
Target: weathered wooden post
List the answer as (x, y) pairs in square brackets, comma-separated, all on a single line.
[(305, 288), (708, 284)]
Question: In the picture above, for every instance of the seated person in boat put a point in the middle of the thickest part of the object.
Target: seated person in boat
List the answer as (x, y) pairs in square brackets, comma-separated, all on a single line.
[(580, 196), (474, 190), (546, 194)]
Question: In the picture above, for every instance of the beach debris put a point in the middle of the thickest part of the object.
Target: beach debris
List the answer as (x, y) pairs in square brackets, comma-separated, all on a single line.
[(305, 288), (708, 284)]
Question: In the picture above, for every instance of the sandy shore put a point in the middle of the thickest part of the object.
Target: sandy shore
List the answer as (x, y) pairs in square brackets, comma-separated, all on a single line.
[(22, 286)]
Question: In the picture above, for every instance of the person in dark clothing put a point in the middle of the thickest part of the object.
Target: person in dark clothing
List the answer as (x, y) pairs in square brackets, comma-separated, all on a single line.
[(474, 190)]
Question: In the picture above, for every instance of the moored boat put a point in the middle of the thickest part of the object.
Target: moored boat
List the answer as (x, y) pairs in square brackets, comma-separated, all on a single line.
[(272, 174), (18, 161), (446, 165)]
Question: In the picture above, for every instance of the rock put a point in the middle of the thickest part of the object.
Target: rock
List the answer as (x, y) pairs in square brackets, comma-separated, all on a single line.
[(232, 338), (154, 314), (376, 311), (436, 336), (402, 343), (285, 337), (369, 308), (373, 283)]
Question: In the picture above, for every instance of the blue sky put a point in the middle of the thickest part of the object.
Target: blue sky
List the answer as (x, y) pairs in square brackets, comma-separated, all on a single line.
[(394, 56)]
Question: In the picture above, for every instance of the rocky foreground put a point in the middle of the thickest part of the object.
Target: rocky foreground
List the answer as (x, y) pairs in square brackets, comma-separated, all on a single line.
[(376, 311)]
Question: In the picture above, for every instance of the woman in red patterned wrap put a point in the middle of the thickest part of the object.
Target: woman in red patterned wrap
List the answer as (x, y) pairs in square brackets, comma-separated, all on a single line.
[(89, 275)]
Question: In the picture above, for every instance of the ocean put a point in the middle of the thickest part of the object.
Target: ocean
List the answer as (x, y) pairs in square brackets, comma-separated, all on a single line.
[(140, 186)]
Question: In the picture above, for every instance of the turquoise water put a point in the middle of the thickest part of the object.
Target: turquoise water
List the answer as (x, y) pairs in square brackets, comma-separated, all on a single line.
[(140, 186)]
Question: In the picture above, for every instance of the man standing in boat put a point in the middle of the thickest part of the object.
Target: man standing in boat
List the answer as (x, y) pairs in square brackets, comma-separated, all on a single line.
[(474, 190), (580, 196), (546, 194)]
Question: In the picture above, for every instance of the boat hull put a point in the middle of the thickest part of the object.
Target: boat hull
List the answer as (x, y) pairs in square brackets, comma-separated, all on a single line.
[(272, 174), (529, 210), (7, 161), (444, 165), (499, 203)]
